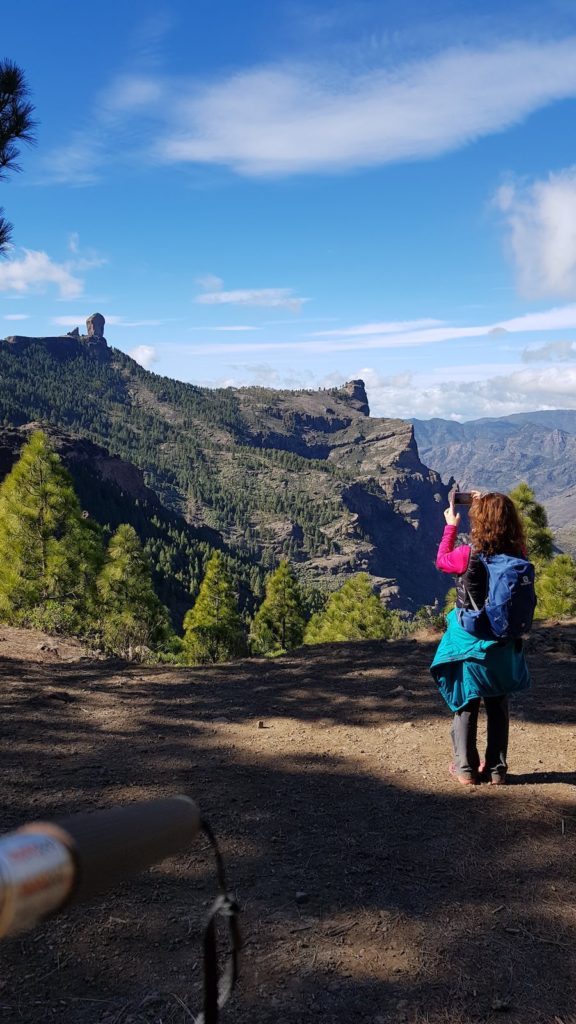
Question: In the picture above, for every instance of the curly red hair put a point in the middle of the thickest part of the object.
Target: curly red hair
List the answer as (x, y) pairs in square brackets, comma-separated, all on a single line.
[(496, 526)]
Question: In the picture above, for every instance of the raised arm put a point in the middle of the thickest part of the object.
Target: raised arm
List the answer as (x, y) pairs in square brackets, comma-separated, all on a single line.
[(449, 559)]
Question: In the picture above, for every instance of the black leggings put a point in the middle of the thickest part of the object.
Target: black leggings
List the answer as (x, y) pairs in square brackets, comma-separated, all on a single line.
[(464, 730)]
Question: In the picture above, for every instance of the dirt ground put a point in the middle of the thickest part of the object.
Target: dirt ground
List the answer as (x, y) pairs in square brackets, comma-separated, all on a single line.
[(373, 888)]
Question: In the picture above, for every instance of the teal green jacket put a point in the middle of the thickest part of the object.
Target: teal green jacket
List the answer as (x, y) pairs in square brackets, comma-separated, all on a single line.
[(465, 667)]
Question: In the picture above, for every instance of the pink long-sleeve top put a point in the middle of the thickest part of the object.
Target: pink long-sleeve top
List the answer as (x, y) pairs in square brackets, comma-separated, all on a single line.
[(451, 559)]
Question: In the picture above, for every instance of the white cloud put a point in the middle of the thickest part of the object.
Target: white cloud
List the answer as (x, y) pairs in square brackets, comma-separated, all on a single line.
[(279, 120), (144, 354), (16, 316), (269, 297), (560, 318), (541, 222), (460, 393), (554, 351), (317, 117), (464, 399), (34, 271)]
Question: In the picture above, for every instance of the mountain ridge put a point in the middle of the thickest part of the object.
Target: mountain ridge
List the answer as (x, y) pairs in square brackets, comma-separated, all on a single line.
[(308, 475), (496, 453)]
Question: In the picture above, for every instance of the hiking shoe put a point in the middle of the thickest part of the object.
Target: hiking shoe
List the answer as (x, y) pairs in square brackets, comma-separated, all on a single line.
[(464, 778), (495, 779)]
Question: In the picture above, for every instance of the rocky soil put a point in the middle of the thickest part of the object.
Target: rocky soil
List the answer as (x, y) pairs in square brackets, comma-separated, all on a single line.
[(373, 889)]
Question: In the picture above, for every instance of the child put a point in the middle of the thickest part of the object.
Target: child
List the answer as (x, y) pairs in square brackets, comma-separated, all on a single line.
[(465, 668)]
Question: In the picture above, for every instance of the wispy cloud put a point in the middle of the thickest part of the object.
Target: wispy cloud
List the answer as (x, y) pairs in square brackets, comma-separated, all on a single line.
[(111, 320), (228, 327), (144, 354), (210, 282), (139, 323), (76, 162), (69, 321), (381, 327), (541, 223), (16, 316), (279, 298), (282, 298), (301, 320), (315, 117), (359, 338), (120, 122), (280, 120), (130, 93)]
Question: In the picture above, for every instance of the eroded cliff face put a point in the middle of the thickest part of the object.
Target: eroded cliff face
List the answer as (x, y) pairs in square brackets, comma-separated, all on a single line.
[(391, 516)]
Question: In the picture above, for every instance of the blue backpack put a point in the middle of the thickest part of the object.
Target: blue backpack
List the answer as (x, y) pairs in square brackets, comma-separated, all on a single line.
[(509, 607)]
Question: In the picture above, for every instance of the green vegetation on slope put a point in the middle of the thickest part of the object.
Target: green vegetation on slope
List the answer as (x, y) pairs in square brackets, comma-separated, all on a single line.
[(169, 430)]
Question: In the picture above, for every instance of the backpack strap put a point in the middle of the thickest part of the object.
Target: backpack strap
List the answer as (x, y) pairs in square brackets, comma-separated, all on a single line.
[(483, 562), (471, 599)]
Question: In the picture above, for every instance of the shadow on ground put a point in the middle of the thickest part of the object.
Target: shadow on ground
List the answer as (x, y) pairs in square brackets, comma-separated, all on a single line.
[(371, 891)]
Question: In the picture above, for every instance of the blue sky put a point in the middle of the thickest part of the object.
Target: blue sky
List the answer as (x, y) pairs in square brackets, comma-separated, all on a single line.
[(295, 194)]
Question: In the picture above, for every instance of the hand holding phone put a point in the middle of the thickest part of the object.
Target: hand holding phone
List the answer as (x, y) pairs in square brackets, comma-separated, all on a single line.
[(463, 498), (458, 497)]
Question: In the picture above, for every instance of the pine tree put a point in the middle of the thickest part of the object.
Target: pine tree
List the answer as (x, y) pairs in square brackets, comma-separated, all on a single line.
[(131, 615), (213, 629), (539, 537), (279, 623), (16, 125), (353, 613), (49, 553), (556, 588)]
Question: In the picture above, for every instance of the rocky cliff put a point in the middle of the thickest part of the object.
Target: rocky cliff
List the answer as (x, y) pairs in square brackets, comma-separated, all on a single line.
[(307, 475), (385, 507)]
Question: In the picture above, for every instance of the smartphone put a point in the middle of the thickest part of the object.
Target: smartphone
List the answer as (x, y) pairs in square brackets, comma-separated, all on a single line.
[(458, 497), (463, 498)]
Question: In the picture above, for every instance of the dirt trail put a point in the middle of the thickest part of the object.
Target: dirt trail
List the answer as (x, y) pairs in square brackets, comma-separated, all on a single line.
[(373, 889)]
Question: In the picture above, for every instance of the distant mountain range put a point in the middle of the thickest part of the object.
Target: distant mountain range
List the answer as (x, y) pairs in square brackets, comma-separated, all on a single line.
[(263, 474), (538, 447)]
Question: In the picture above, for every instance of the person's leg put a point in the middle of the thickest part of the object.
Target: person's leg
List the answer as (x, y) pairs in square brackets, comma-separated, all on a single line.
[(463, 733), (497, 715)]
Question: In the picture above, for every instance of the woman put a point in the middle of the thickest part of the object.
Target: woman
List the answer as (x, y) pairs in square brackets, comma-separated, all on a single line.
[(466, 668)]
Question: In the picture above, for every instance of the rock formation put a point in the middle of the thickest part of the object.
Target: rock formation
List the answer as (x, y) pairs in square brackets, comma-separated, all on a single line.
[(95, 328), (62, 344)]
